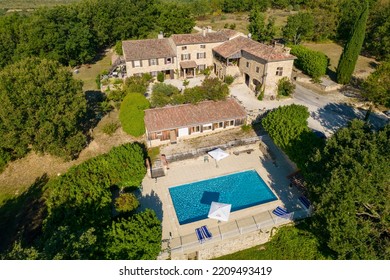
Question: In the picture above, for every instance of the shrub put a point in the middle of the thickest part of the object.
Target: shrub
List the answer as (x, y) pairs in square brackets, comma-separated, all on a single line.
[(162, 94), (110, 128), (97, 80), (138, 84), (118, 48), (229, 79), (160, 77), (126, 202), (312, 63), (260, 97), (285, 87), (131, 114), (5, 157)]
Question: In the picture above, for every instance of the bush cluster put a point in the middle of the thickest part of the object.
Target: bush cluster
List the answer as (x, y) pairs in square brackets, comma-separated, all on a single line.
[(132, 114), (312, 63)]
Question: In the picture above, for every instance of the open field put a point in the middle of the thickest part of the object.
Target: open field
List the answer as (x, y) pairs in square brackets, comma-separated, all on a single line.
[(31, 4)]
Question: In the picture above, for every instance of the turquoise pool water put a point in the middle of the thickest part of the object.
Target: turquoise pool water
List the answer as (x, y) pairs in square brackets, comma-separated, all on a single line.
[(242, 190)]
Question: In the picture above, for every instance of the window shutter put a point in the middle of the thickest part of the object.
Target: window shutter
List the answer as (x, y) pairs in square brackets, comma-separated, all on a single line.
[(204, 55), (156, 61), (189, 56), (182, 57), (140, 63), (132, 63)]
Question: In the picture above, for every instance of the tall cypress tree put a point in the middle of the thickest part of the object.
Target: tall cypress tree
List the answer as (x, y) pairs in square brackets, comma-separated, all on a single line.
[(352, 48)]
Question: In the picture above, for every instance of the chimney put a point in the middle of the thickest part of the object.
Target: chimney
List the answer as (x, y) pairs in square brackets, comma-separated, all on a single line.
[(250, 35), (160, 35), (204, 32)]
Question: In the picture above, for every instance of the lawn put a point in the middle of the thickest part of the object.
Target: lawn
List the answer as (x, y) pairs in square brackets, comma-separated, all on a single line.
[(88, 73), (31, 4)]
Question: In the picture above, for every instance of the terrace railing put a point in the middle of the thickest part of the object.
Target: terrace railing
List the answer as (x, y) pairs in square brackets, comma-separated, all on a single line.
[(263, 222)]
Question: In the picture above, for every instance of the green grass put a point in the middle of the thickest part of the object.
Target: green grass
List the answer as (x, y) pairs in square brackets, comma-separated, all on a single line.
[(87, 73), (153, 153), (32, 4), (289, 243)]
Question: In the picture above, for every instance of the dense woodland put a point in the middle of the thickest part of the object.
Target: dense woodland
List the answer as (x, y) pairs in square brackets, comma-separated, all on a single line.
[(44, 109)]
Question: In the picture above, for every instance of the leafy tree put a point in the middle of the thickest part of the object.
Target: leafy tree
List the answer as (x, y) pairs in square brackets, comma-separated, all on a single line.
[(79, 203), (377, 85), (377, 41), (131, 114), (163, 94), (137, 238), (287, 126), (285, 87), (261, 31), (193, 95), (42, 108), (327, 20), (349, 185), (9, 37), (299, 27), (175, 18), (137, 84), (352, 48), (214, 89), (312, 63), (126, 202)]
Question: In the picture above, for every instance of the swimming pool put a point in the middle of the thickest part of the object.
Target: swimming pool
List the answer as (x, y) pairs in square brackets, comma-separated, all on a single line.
[(242, 190)]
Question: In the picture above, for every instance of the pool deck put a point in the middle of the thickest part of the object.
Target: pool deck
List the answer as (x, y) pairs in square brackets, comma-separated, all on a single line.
[(155, 193)]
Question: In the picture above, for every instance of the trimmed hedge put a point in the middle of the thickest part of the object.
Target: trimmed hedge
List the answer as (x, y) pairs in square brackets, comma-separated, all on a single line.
[(131, 114), (312, 63)]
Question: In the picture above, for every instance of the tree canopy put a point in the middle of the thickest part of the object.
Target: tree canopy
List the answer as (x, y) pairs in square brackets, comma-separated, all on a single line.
[(376, 87), (287, 126), (349, 185), (352, 47), (299, 27), (42, 108)]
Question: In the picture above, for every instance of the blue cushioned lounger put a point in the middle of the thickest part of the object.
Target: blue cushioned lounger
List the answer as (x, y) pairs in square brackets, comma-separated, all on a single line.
[(199, 234), (305, 202), (281, 212), (206, 232)]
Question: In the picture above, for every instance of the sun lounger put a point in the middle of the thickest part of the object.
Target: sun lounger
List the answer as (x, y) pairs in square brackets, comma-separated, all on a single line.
[(305, 202), (281, 212), (206, 232), (199, 234)]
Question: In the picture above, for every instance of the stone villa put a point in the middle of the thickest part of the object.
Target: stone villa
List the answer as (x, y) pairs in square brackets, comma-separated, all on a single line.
[(227, 52)]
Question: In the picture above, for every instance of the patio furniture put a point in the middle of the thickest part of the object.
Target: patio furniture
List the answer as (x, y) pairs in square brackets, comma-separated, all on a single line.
[(206, 232), (281, 212), (305, 202), (199, 234)]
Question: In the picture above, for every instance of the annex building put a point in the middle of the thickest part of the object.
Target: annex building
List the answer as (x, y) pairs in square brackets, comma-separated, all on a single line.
[(226, 52)]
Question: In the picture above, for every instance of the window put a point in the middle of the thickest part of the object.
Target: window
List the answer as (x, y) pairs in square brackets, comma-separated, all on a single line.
[(201, 55), (220, 125), (201, 67), (186, 56), (207, 127), (196, 129), (202, 46), (153, 61), (231, 123), (184, 48), (247, 64), (153, 73), (136, 63), (279, 71), (159, 133), (257, 69), (168, 60)]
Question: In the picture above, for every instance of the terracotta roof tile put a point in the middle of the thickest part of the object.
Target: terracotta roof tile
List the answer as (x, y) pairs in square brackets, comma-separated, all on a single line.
[(198, 38), (186, 115), (147, 49), (266, 52), (188, 64)]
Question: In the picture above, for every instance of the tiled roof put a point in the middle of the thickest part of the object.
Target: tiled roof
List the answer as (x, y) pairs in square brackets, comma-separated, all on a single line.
[(266, 52), (230, 33), (188, 64), (147, 49), (198, 38), (186, 115)]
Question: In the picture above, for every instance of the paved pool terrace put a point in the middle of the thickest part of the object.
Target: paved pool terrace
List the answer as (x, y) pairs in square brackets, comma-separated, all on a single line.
[(155, 193)]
